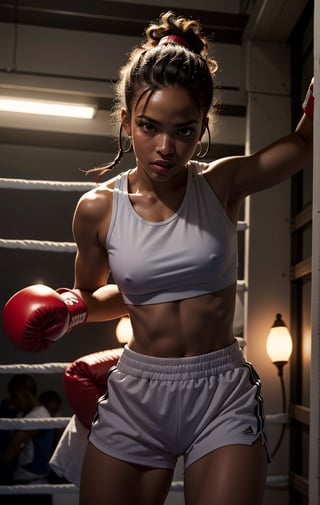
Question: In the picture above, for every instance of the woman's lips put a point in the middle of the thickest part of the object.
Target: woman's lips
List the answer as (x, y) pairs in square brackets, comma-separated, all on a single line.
[(161, 166)]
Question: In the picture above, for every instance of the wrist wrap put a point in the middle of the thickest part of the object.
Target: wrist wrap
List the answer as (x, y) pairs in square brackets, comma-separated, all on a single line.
[(308, 103), (76, 307)]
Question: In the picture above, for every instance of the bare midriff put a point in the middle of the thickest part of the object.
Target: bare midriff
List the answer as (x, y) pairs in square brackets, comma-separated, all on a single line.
[(182, 328)]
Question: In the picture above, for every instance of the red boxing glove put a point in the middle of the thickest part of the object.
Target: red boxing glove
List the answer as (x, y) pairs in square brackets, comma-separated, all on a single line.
[(308, 103), (85, 380), (37, 316)]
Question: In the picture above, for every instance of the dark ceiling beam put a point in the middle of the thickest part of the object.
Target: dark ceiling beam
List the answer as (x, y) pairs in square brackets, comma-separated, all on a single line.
[(97, 143), (116, 17)]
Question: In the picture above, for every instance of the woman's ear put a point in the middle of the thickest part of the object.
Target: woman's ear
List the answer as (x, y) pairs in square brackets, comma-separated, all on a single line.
[(125, 122)]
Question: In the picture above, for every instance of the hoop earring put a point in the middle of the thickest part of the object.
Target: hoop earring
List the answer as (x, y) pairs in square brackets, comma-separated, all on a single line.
[(201, 154), (128, 146)]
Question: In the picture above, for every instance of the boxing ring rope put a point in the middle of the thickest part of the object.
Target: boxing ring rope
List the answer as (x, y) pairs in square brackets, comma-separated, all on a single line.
[(25, 184), (38, 245), (47, 245), (70, 488), (50, 368), (36, 368)]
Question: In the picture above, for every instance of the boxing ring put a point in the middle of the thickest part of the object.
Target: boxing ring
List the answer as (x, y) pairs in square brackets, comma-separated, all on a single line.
[(59, 368)]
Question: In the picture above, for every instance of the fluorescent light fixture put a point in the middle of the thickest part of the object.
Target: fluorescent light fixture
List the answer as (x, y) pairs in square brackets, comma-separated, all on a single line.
[(46, 108)]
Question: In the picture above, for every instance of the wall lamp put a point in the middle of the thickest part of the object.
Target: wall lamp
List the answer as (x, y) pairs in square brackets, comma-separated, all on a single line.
[(279, 344), (8, 104), (279, 349)]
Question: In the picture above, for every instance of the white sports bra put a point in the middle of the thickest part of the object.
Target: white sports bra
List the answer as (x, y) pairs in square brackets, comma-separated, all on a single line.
[(192, 253)]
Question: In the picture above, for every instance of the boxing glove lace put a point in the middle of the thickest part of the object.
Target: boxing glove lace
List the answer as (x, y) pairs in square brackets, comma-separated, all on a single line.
[(37, 316)]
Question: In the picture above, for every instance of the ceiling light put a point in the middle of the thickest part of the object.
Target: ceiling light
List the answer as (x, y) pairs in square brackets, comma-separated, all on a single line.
[(46, 108)]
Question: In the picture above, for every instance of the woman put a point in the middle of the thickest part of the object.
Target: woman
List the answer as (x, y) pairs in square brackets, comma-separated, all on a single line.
[(166, 230)]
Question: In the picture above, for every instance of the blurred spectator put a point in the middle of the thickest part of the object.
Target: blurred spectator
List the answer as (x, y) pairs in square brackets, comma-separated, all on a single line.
[(7, 410), (28, 450), (52, 401)]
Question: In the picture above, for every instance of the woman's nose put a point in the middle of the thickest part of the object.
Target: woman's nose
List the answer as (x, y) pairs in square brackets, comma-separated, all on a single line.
[(165, 144)]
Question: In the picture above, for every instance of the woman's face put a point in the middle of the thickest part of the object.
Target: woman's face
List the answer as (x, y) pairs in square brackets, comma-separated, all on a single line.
[(165, 126)]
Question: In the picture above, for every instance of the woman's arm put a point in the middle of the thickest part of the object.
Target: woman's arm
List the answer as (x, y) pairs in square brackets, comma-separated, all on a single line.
[(37, 316), (103, 301), (275, 163), (236, 177)]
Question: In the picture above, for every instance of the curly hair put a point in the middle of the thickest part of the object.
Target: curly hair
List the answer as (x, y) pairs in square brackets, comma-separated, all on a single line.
[(155, 65)]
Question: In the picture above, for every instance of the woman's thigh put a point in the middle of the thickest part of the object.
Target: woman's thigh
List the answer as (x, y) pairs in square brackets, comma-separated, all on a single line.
[(230, 475), (106, 480)]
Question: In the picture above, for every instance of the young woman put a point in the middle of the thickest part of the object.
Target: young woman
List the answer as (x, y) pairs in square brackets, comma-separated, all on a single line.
[(166, 230)]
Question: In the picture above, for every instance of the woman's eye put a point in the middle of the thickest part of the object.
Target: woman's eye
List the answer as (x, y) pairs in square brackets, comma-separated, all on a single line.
[(147, 127), (185, 132)]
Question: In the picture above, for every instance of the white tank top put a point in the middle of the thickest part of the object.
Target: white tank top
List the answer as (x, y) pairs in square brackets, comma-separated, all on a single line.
[(192, 253)]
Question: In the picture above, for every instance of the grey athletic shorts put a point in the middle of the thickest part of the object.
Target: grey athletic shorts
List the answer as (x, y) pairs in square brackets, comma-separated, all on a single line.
[(157, 409)]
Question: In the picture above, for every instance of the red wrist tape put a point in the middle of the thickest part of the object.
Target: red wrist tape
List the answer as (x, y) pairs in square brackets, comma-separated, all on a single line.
[(76, 307), (308, 103)]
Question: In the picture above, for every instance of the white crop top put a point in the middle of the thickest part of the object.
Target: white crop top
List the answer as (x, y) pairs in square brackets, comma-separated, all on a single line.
[(192, 253)]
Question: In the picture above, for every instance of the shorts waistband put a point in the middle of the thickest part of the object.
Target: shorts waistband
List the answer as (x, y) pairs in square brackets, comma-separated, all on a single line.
[(204, 365)]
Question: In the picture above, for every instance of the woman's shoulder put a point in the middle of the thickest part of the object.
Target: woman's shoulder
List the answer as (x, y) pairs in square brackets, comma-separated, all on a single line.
[(102, 192), (198, 167), (97, 202)]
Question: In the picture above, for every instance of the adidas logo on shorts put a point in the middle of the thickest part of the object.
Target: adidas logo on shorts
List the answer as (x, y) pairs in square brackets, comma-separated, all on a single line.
[(249, 431)]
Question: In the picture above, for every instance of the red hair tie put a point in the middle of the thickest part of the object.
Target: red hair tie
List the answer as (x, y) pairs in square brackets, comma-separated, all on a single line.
[(175, 39)]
